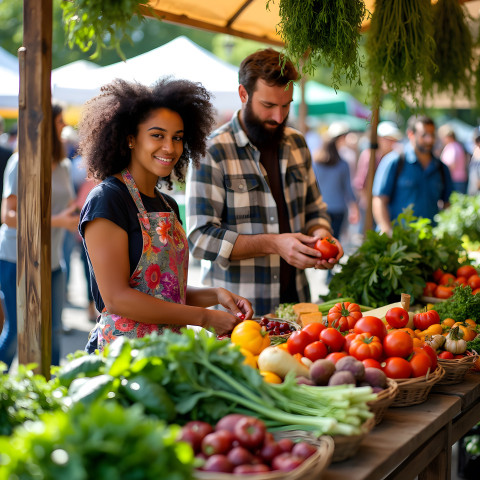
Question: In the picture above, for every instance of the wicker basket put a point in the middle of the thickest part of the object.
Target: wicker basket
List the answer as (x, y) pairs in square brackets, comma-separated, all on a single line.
[(347, 446), (310, 469), (456, 369), (412, 391), (384, 399)]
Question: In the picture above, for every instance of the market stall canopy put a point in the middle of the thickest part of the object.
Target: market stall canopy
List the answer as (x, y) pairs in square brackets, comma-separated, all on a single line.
[(321, 99), (197, 64)]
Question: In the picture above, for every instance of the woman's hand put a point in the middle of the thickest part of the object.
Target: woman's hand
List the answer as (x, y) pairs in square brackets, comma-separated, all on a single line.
[(235, 304)]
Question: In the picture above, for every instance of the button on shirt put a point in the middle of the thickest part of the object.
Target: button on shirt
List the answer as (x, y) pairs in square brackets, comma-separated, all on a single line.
[(422, 188), (229, 195)]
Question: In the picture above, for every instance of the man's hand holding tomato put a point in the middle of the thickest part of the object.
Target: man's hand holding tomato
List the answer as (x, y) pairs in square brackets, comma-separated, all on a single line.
[(325, 244)]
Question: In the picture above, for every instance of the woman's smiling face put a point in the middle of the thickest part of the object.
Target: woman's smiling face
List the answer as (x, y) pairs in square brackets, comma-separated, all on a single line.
[(158, 144)]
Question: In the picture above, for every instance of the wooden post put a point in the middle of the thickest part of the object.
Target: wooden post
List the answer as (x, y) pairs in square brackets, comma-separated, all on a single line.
[(34, 187)]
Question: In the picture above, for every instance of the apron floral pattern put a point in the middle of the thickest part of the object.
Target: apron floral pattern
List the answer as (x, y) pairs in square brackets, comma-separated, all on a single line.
[(161, 271)]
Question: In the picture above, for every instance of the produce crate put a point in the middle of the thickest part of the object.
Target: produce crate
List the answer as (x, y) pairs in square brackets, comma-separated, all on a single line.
[(456, 369), (412, 391), (310, 469), (384, 400)]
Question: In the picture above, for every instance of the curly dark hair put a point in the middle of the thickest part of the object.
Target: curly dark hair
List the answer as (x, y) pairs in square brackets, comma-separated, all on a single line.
[(110, 117)]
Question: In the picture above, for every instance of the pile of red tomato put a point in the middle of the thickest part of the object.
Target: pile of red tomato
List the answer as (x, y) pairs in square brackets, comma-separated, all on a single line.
[(444, 283), (366, 338)]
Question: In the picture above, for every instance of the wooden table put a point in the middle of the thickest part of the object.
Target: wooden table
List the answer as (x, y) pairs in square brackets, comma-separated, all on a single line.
[(417, 440)]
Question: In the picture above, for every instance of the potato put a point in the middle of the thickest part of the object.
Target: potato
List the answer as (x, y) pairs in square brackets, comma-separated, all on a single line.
[(342, 378), (352, 365), (375, 377), (321, 371)]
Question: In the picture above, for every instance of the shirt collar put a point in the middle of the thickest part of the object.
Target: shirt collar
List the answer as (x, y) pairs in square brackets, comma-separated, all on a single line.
[(241, 137)]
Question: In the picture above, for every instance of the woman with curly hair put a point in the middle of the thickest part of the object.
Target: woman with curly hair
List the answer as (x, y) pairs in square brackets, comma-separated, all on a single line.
[(132, 138)]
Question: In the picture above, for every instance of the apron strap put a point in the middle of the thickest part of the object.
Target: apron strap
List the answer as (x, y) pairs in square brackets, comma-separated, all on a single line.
[(132, 188)]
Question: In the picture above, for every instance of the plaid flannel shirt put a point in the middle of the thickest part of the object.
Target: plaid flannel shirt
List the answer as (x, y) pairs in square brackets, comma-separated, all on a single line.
[(229, 196)]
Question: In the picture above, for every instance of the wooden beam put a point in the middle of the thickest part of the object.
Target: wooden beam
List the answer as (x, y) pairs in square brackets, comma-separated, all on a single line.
[(34, 187)]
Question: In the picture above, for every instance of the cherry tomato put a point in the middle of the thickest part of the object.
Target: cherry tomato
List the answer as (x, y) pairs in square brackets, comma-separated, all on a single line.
[(371, 362), (397, 343), (372, 325), (474, 281), (327, 247), (429, 289), (366, 346), (315, 351), (466, 271), (333, 339), (336, 356), (420, 363), (297, 342), (447, 279), (397, 367), (443, 291), (446, 355), (314, 329), (423, 320), (397, 317)]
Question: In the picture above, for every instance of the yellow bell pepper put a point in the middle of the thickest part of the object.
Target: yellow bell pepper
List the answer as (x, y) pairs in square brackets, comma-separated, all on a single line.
[(270, 377), (250, 336), (250, 358)]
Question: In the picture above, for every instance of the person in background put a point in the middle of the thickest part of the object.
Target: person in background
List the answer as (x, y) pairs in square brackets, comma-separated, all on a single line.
[(474, 167), (454, 157), (5, 153), (254, 210), (134, 138), (64, 217), (388, 136), (416, 178)]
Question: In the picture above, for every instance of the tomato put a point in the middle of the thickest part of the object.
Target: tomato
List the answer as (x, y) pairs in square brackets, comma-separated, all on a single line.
[(366, 346), (314, 329), (336, 356), (461, 281), (397, 317), (297, 342), (423, 320), (372, 325), (420, 363), (333, 339), (447, 279), (474, 281), (446, 355), (398, 343), (250, 432), (371, 362), (431, 353), (443, 291), (477, 290), (437, 275), (397, 367), (429, 289), (466, 271), (327, 247), (344, 315), (349, 337), (315, 351)]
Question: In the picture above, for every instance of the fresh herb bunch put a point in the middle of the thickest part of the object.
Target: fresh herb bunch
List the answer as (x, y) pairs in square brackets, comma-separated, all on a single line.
[(453, 47), (400, 49), (385, 266), (461, 218), (328, 33), (103, 23), (24, 396), (460, 306), (104, 441)]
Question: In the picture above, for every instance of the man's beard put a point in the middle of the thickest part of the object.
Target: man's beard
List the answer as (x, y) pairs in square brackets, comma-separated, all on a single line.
[(256, 131)]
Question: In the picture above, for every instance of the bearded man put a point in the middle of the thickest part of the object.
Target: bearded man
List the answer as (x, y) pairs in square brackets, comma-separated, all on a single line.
[(254, 211)]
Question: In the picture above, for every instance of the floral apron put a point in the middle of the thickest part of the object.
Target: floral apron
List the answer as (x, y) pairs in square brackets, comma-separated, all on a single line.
[(161, 271)]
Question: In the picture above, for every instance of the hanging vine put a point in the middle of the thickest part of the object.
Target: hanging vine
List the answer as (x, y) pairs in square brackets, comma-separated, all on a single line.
[(325, 32), (100, 23), (453, 51), (400, 49)]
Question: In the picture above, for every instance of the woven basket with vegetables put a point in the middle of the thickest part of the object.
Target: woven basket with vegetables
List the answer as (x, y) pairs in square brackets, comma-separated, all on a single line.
[(456, 368), (385, 398)]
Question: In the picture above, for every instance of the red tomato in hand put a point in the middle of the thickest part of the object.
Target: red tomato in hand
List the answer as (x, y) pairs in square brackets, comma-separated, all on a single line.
[(315, 351), (297, 342), (327, 247), (333, 339), (397, 317), (396, 367), (397, 343), (423, 320), (466, 271), (314, 329), (372, 325), (366, 346), (420, 363)]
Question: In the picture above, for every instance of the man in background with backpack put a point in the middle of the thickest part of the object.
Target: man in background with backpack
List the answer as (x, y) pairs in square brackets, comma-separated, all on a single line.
[(415, 178)]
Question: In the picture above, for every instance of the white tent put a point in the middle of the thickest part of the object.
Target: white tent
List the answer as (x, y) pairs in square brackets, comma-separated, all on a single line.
[(180, 58)]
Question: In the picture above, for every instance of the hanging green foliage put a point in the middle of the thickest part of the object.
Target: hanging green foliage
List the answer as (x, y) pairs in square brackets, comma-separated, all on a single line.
[(400, 49), (100, 23), (477, 72), (453, 51), (324, 32)]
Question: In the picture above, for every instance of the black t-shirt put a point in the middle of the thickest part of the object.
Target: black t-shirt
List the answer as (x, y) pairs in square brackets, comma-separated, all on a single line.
[(112, 200)]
